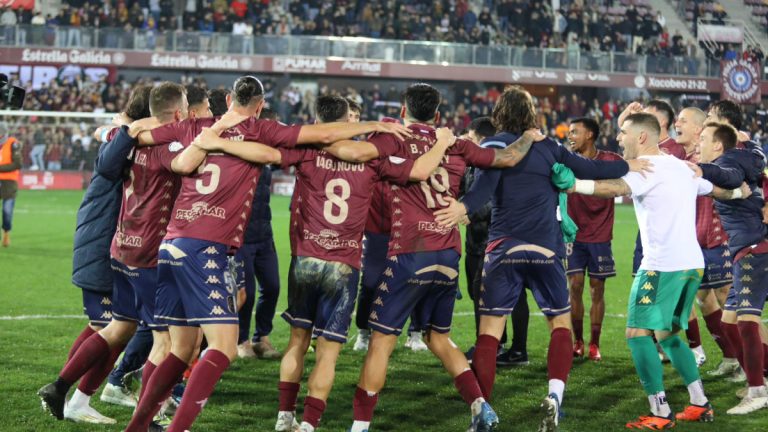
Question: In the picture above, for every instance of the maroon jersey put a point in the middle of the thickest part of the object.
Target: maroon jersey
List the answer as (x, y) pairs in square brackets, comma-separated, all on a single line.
[(333, 200), (593, 216), (709, 229), (214, 203), (413, 225), (148, 195), (380, 213), (671, 147)]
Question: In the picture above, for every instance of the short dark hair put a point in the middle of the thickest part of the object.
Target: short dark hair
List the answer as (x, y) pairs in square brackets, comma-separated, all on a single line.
[(331, 108), (730, 111), (165, 97), (354, 106), (483, 127), (195, 94), (514, 111), (724, 133), (138, 103), (664, 107), (421, 101), (247, 89), (267, 114), (590, 124), (645, 121), (218, 100)]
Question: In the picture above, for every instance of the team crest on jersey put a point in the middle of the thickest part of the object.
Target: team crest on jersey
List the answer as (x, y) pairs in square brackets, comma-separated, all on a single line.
[(745, 290), (107, 315), (217, 310), (106, 301), (198, 209), (211, 250), (175, 146), (211, 265), (215, 295), (213, 279)]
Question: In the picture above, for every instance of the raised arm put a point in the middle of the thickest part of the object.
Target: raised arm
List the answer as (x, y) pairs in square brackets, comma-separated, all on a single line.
[(602, 188), (429, 161), (515, 152), (209, 140), (328, 133)]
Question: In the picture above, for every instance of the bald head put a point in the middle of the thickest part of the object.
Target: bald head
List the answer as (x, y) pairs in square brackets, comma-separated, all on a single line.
[(688, 126)]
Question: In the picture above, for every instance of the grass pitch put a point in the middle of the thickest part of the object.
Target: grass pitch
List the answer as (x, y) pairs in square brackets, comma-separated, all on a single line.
[(41, 314)]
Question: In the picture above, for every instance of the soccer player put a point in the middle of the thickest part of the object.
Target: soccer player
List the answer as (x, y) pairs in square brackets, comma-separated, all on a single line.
[(725, 165), (217, 101), (717, 258), (199, 104), (525, 244), (592, 249), (259, 260), (10, 166), (476, 241), (670, 273), (129, 304), (354, 110), (208, 220), (422, 273)]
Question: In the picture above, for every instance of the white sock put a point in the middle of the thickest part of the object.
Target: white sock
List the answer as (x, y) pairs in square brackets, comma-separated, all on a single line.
[(756, 392), (696, 391), (659, 405), (306, 427), (360, 426), (699, 350), (557, 387), (476, 406), (79, 399)]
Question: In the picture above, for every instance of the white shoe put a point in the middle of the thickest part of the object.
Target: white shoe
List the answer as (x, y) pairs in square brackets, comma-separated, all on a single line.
[(726, 367), (245, 350), (750, 404), (742, 392), (415, 342), (118, 395), (85, 414), (701, 357), (363, 338), (737, 377), (286, 421), (306, 427)]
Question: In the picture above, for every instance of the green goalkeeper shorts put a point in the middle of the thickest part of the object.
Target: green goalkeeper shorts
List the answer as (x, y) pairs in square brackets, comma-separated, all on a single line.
[(662, 300)]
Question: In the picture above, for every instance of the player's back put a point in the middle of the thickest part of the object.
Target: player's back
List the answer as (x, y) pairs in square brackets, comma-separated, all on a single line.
[(214, 202), (665, 206), (333, 200), (525, 200), (413, 224)]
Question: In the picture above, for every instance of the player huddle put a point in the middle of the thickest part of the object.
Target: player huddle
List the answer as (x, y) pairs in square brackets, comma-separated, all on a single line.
[(179, 186)]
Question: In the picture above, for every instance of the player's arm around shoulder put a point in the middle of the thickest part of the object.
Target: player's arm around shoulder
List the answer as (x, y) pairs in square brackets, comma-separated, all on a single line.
[(515, 152), (427, 163), (602, 188)]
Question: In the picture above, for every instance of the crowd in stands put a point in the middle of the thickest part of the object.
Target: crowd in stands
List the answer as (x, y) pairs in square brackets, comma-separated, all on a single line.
[(55, 143)]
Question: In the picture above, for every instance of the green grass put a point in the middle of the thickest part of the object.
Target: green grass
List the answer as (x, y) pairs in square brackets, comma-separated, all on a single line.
[(419, 395)]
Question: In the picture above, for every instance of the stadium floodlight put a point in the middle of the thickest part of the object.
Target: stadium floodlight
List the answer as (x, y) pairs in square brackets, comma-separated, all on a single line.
[(12, 95)]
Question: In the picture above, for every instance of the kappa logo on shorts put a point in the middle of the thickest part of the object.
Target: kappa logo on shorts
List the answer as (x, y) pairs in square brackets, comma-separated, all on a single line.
[(481, 302), (215, 295), (728, 264), (378, 301), (384, 287), (213, 279), (374, 316), (106, 315), (217, 310), (729, 275), (647, 286), (388, 272), (726, 253), (211, 265), (106, 301), (482, 287), (745, 303), (211, 250), (645, 300), (746, 278), (393, 258), (745, 290)]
